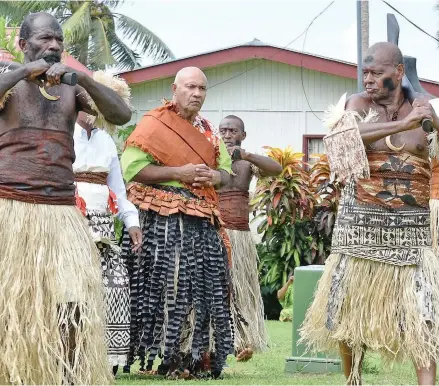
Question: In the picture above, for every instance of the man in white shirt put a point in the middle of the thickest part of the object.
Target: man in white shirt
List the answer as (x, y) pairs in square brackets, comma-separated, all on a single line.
[(101, 194)]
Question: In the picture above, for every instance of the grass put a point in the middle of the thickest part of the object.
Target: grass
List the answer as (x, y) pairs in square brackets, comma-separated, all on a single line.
[(268, 368)]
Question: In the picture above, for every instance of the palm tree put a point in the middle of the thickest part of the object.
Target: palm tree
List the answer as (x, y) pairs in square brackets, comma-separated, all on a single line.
[(94, 33)]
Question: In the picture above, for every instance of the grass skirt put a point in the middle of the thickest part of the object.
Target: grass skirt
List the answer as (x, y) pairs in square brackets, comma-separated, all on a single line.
[(250, 330), (383, 307), (50, 279)]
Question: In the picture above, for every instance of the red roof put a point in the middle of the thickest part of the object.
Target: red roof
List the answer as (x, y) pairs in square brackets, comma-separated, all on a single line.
[(70, 61), (254, 50)]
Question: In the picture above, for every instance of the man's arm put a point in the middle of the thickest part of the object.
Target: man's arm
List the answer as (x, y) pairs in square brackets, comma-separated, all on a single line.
[(372, 132), (283, 291), (153, 174), (127, 211), (14, 72), (196, 175), (266, 165), (110, 105)]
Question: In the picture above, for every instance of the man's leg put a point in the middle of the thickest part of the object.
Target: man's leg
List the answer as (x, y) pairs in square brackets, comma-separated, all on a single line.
[(347, 358), (426, 376)]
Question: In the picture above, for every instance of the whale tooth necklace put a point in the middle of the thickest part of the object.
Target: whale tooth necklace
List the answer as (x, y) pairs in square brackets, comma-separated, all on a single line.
[(393, 118)]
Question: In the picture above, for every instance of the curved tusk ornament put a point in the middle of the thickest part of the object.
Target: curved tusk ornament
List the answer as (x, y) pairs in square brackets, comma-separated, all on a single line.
[(46, 95), (393, 147)]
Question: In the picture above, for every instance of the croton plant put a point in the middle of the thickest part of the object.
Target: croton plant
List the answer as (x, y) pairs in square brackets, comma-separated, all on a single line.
[(298, 210)]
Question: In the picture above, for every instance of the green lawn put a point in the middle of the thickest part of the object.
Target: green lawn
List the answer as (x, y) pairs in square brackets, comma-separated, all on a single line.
[(268, 368)]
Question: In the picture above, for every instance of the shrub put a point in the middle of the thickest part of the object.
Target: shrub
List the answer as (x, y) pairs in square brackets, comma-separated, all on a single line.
[(298, 211)]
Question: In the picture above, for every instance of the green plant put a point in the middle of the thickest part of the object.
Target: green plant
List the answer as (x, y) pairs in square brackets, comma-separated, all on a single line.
[(286, 204), (118, 229), (7, 42), (327, 195), (94, 32), (297, 210), (124, 133)]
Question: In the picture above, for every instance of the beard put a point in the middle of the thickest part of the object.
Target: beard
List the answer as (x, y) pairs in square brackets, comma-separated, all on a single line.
[(51, 58)]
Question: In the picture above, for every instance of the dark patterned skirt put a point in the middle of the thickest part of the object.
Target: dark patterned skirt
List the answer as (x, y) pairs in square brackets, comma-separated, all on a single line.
[(116, 285), (180, 298), (117, 302)]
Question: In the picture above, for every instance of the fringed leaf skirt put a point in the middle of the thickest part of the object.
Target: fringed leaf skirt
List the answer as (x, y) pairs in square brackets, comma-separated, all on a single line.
[(180, 292)]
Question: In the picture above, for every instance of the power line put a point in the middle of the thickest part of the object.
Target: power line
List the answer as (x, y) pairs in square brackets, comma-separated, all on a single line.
[(412, 23), (278, 51), (301, 74)]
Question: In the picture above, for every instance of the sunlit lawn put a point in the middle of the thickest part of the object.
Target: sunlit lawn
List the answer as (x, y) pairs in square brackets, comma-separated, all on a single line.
[(268, 368)]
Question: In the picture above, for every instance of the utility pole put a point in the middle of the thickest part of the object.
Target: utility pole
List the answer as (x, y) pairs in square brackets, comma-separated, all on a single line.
[(359, 49), (362, 38), (364, 26)]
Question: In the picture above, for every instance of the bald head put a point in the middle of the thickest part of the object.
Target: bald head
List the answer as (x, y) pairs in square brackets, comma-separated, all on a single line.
[(385, 53), (383, 70), (189, 88), (189, 73)]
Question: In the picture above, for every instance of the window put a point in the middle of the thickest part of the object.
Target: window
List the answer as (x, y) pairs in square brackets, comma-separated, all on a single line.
[(312, 144)]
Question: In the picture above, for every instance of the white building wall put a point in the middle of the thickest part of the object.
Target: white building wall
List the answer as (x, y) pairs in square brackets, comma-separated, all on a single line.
[(269, 98)]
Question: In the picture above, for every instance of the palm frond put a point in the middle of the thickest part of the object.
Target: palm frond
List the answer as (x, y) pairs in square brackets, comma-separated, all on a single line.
[(143, 39), (38, 6), (16, 11), (7, 42), (60, 14), (3, 41), (100, 49), (12, 13), (126, 58), (78, 26), (79, 50)]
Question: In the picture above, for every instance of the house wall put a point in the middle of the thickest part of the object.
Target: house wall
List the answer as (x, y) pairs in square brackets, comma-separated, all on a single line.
[(270, 99)]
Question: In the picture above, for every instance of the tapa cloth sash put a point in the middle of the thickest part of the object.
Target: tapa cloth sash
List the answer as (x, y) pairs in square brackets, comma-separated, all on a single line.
[(174, 142), (386, 218), (234, 209), (36, 166)]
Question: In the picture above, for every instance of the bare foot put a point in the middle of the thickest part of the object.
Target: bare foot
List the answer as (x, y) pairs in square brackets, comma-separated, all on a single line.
[(147, 372), (245, 355), (179, 375)]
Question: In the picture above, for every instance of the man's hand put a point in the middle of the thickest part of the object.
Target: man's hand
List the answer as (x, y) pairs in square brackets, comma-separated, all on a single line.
[(189, 172), (198, 176), (35, 69), (55, 72), (243, 154), (421, 110), (207, 178), (136, 237), (291, 279)]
